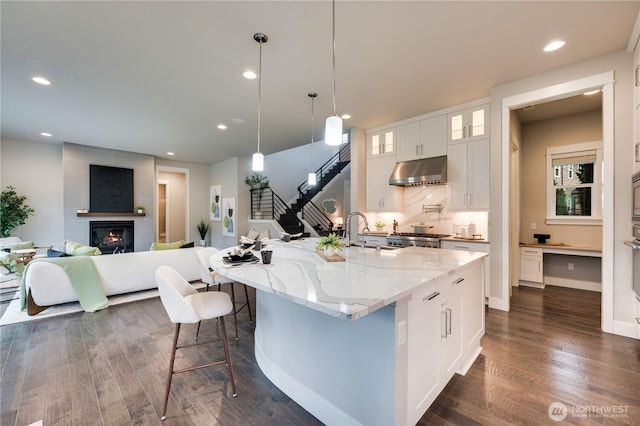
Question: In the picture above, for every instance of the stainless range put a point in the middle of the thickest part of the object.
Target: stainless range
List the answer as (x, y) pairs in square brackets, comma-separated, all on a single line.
[(408, 239)]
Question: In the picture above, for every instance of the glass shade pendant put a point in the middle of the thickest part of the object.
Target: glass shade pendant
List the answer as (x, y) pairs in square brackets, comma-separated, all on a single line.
[(311, 180), (257, 163), (333, 130)]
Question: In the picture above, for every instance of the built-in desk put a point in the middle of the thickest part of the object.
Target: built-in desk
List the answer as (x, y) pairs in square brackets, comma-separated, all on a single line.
[(559, 271)]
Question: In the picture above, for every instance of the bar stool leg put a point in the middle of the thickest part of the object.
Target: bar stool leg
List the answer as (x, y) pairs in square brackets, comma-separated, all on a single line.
[(246, 295), (227, 356), (173, 359), (235, 309)]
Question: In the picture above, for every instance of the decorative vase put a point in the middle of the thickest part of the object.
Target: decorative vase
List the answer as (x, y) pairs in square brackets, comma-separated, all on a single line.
[(329, 251), (202, 243), (379, 228)]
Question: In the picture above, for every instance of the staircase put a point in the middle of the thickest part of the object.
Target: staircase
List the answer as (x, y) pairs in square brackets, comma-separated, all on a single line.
[(266, 204), (325, 174)]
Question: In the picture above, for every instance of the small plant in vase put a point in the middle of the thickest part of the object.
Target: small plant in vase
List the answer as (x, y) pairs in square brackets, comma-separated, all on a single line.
[(140, 209), (330, 244), (379, 224), (202, 228)]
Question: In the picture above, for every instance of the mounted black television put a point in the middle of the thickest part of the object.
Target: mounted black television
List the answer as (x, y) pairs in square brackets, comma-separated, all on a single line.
[(110, 189)]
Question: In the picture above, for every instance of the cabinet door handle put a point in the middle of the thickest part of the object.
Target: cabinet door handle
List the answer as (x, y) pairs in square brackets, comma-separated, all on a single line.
[(431, 296), (421, 149), (443, 324), (462, 247), (449, 322), (539, 266), (458, 281), (416, 150), (464, 132)]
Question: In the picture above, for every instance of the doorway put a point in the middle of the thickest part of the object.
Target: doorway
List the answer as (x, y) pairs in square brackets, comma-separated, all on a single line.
[(509, 241), (172, 195)]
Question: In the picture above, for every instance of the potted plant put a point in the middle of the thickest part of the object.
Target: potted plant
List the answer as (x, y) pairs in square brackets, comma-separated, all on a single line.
[(330, 244), (379, 224), (258, 182), (140, 209), (202, 228), (13, 211)]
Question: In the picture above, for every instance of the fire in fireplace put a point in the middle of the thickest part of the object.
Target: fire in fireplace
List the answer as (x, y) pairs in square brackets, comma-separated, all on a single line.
[(112, 236)]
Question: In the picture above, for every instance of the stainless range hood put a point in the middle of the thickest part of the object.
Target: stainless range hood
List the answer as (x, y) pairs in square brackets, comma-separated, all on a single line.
[(428, 171)]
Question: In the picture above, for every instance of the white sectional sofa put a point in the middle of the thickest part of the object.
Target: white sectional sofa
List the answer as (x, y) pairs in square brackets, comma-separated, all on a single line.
[(47, 284)]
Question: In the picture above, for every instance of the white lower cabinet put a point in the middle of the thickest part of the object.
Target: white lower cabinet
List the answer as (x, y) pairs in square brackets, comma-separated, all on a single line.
[(531, 266), (470, 245), (445, 321)]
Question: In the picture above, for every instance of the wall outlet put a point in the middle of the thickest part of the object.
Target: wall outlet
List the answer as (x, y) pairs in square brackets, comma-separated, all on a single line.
[(570, 265), (402, 333), (533, 225)]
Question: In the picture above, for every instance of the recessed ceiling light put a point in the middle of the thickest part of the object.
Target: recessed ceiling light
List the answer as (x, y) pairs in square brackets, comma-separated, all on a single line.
[(591, 92), (222, 127), (170, 153), (346, 116), (47, 134), (41, 80), (554, 45), (238, 120), (249, 75)]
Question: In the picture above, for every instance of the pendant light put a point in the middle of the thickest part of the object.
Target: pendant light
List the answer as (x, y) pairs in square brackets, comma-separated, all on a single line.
[(311, 180), (257, 163), (333, 125)]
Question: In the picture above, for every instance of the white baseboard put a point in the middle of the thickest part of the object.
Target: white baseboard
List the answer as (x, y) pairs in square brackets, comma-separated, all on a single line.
[(626, 329), (577, 284)]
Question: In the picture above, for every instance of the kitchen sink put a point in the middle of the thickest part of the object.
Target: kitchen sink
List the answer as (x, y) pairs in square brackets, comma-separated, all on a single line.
[(373, 246)]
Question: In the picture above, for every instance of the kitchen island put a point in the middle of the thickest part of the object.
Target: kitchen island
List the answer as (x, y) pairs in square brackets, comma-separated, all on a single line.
[(372, 340)]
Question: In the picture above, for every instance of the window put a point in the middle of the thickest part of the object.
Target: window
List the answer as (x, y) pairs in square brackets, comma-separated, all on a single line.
[(574, 185)]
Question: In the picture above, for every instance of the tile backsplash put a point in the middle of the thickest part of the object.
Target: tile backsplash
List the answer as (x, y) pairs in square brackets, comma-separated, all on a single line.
[(445, 222)]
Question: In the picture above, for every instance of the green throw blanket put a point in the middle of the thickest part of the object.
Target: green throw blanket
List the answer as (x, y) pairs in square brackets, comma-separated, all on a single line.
[(84, 279)]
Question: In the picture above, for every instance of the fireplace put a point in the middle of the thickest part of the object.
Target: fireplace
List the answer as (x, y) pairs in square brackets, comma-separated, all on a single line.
[(112, 236)]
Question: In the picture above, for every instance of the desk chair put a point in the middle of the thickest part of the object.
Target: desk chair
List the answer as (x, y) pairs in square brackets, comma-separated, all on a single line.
[(185, 305), (210, 277)]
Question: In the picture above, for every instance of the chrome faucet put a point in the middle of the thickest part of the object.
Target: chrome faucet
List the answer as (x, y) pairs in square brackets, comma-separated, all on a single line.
[(348, 222)]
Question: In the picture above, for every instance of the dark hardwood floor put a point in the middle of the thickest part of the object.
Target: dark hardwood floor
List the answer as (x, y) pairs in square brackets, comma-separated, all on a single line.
[(110, 368)]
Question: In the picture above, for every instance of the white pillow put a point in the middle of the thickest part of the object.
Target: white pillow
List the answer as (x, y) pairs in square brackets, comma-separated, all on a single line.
[(253, 234), (265, 235)]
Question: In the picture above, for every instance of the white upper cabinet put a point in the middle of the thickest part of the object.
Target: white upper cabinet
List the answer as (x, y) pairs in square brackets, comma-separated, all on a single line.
[(469, 124), (382, 197), (468, 175), (422, 139), (381, 143)]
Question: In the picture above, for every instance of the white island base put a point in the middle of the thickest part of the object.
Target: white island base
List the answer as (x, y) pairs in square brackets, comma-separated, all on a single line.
[(387, 367)]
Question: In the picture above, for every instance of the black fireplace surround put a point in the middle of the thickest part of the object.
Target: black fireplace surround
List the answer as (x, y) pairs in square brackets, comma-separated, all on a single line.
[(112, 236)]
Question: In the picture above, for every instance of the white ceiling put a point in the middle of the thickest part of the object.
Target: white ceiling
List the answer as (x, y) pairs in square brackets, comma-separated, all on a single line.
[(153, 77)]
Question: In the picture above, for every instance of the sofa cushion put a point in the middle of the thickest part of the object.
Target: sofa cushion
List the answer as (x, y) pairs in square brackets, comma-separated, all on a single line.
[(22, 245), (166, 246), (73, 248)]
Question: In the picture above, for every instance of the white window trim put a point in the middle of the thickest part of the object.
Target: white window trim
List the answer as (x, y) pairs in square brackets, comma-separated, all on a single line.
[(596, 207)]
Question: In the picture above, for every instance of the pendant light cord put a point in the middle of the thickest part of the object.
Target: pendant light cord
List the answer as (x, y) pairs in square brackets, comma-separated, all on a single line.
[(259, 92), (334, 57)]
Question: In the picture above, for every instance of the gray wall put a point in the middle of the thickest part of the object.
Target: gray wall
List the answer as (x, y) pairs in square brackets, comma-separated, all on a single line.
[(35, 170)]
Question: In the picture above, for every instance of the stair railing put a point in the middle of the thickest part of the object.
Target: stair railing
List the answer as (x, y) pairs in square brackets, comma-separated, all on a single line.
[(316, 217), (266, 204), (341, 158)]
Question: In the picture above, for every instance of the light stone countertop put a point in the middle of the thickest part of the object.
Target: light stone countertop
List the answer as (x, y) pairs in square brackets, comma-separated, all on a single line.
[(366, 281)]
